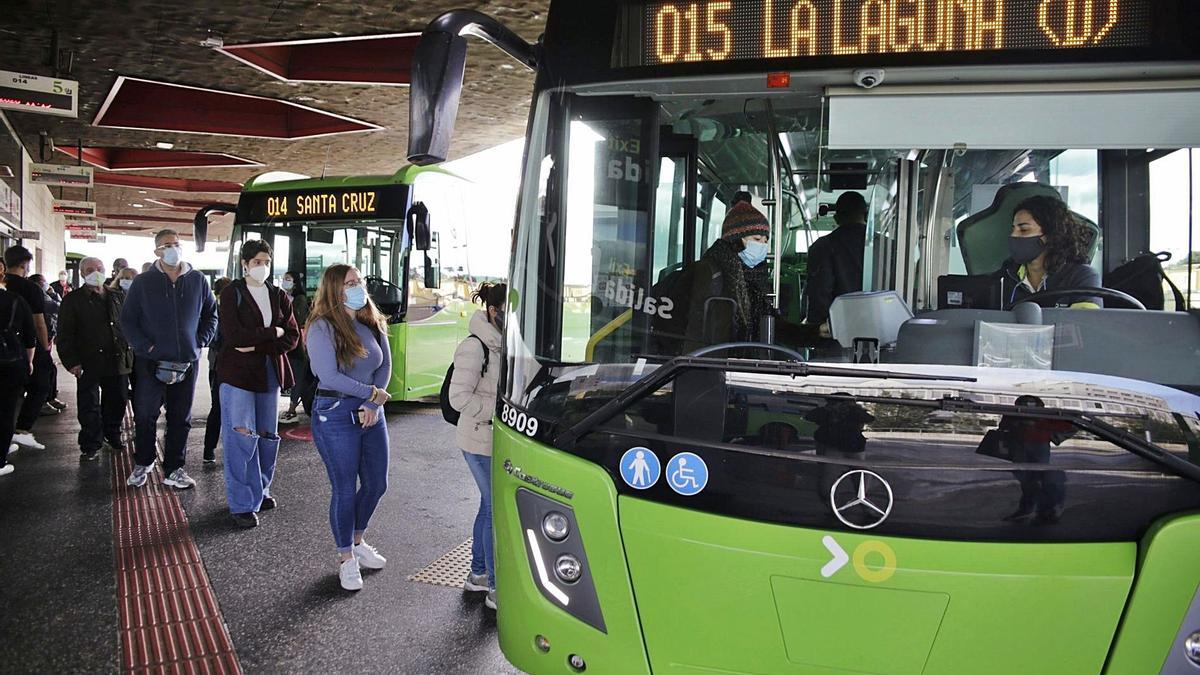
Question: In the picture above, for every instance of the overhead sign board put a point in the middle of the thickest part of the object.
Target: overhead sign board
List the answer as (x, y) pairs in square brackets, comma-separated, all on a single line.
[(34, 93), (60, 175), (33, 235), (67, 207)]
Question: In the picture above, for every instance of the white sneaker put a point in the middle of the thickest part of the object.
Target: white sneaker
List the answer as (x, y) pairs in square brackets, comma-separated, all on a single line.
[(7, 469), (490, 600), (350, 576), (26, 439), (179, 480), (477, 583), (139, 475), (13, 448), (368, 557)]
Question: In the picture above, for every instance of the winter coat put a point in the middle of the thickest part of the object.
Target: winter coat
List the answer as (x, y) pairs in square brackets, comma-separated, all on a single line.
[(720, 273), (241, 325), (169, 321), (474, 394), (835, 267), (90, 333)]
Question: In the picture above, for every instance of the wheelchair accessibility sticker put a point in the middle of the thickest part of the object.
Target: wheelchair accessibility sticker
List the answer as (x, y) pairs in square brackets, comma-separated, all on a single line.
[(687, 474), (640, 468)]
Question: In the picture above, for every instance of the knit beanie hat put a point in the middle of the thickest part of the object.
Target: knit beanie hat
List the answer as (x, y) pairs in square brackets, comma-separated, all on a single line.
[(743, 220)]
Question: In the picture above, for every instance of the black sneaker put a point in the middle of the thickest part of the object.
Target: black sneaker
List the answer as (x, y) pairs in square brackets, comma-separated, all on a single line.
[(114, 446), (57, 404), (245, 520), (210, 456), (89, 456), (268, 503)]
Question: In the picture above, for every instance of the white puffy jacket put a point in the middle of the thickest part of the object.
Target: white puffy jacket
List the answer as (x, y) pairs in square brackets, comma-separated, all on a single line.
[(473, 393)]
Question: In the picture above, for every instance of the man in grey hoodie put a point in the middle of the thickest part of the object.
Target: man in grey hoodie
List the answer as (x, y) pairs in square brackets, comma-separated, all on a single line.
[(169, 315)]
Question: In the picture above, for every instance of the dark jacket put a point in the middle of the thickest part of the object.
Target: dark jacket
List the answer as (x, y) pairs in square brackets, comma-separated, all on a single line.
[(14, 307), (166, 321), (738, 295), (242, 326), (835, 267), (52, 304), (89, 333), (1070, 275)]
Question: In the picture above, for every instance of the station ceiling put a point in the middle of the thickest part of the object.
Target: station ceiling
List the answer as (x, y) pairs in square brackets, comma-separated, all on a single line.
[(130, 42)]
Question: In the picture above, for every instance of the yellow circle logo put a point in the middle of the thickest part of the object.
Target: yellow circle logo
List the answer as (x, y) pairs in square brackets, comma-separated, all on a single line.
[(877, 574)]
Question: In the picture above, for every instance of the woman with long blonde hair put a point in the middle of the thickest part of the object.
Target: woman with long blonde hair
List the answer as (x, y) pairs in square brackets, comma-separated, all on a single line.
[(349, 353)]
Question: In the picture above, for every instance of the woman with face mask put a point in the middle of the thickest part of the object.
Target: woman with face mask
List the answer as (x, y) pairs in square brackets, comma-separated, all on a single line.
[(258, 329), (302, 391), (349, 353), (1048, 250), (729, 285), (122, 280), (473, 394)]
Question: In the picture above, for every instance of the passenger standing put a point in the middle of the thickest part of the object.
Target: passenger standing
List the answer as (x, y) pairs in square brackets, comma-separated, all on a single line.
[(122, 281), (258, 329), (212, 423), (53, 300), (37, 388), (93, 349), (349, 352), (16, 363), (63, 285), (302, 391), (473, 393), (835, 261), (169, 316), (119, 265)]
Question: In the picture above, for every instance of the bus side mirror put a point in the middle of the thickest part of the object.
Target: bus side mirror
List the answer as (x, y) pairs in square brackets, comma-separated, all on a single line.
[(433, 276), (418, 223), (437, 79)]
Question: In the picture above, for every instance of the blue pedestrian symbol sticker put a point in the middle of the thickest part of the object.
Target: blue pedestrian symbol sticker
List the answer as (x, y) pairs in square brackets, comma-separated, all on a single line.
[(640, 468), (687, 474)]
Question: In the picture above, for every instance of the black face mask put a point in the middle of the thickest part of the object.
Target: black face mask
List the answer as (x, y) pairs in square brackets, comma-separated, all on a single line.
[(1025, 250), (498, 321)]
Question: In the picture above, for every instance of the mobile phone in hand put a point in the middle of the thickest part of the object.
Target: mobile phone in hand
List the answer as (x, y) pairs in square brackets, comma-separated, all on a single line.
[(358, 416)]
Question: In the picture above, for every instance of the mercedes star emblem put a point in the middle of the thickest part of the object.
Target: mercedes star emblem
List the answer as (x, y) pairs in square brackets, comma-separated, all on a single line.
[(866, 501)]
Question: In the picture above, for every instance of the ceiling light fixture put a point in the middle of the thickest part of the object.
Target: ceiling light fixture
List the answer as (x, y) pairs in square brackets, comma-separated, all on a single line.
[(164, 145), (137, 206)]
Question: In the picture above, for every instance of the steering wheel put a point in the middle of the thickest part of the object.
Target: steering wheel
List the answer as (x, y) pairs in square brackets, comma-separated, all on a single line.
[(1086, 291)]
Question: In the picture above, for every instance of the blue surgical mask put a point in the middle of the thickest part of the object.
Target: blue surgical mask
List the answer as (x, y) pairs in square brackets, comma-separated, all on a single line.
[(754, 253), (172, 255), (287, 284), (356, 297), (125, 284)]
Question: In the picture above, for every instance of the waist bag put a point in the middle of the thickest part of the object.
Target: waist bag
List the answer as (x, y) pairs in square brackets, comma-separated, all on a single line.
[(171, 372)]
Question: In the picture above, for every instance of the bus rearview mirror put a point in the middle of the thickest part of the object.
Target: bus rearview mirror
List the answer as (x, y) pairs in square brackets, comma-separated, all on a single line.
[(419, 228), (437, 79)]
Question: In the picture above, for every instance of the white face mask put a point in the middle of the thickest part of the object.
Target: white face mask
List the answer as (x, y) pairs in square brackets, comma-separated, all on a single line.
[(94, 278), (62, 277), (259, 273), (125, 284)]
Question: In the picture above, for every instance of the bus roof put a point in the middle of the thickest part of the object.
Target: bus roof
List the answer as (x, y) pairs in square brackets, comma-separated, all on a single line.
[(277, 181)]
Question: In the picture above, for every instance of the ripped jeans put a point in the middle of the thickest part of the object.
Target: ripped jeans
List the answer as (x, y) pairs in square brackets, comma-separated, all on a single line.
[(249, 435)]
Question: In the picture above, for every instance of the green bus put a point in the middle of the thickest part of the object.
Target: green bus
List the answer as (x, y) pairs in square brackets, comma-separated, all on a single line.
[(952, 482), (373, 223)]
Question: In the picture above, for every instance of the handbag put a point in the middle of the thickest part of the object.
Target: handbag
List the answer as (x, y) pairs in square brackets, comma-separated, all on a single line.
[(171, 372), (994, 445)]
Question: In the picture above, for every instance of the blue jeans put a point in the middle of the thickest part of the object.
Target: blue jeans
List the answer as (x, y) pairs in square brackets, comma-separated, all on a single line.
[(148, 398), (357, 462), (250, 454), (483, 557)]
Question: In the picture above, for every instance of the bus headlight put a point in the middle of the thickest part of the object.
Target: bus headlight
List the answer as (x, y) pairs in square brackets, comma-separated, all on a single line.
[(555, 526), (1191, 648), (568, 568)]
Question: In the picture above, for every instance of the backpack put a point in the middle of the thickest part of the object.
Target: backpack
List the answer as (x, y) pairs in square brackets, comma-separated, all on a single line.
[(11, 349), (448, 412), (1142, 278)]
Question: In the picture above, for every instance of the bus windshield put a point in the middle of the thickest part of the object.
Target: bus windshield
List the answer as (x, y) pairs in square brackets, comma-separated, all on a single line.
[(632, 253)]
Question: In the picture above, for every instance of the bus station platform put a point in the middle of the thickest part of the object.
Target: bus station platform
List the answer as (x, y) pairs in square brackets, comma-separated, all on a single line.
[(99, 577)]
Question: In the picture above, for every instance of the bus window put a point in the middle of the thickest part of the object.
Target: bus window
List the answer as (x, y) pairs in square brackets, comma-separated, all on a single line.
[(1173, 225)]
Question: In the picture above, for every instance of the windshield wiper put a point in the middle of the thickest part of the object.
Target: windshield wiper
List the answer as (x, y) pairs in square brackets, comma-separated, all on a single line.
[(672, 369), (1089, 422)]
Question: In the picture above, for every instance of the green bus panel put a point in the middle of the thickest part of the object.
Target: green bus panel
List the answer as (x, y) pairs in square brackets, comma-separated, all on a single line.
[(718, 594), (422, 350), (1168, 580), (524, 613)]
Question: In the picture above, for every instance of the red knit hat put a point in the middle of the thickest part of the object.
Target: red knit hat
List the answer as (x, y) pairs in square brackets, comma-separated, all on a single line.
[(743, 220)]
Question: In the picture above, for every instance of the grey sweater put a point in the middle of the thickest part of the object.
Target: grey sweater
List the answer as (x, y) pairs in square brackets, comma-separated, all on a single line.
[(373, 369)]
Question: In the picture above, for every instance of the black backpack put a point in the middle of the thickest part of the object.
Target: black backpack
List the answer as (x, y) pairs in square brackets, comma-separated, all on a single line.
[(11, 349), (448, 412), (668, 334), (1142, 278)]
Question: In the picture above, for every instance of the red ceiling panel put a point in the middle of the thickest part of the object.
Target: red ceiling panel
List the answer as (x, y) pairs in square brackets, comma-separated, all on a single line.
[(364, 59), (131, 159), (168, 184), (160, 106)]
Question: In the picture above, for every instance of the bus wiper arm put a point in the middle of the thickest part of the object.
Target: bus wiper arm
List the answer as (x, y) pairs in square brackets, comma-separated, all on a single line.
[(671, 369), (1088, 422)]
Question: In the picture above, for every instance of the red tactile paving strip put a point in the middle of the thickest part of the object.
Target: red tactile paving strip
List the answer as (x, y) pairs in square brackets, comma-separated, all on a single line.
[(169, 618)]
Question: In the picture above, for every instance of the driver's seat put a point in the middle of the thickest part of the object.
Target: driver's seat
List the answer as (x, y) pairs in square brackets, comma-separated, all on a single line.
[(983, 236)]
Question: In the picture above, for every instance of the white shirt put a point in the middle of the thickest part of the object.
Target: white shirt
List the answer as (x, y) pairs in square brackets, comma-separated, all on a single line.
[(262, 298)]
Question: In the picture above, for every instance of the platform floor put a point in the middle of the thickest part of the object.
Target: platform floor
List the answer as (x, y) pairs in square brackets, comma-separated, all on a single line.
[(276, 584)]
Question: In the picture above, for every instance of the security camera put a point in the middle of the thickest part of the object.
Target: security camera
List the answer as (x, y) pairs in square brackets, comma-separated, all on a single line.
[(212, 42), (869, 79)]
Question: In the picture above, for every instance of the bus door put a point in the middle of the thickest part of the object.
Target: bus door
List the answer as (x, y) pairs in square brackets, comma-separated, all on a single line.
[(287, 249)]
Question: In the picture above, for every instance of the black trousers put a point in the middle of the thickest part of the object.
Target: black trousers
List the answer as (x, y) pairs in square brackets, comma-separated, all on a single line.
[(149, 399), (101, 403), (37, 390), (305, 389), (12, 392), (212, 426)]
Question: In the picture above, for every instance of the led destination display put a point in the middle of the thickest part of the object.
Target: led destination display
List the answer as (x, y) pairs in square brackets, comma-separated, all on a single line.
[(385, 202)]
